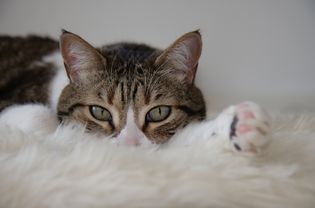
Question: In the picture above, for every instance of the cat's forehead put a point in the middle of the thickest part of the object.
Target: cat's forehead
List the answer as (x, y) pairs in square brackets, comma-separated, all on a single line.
[(128, 60), (129, 51), (131, 77)]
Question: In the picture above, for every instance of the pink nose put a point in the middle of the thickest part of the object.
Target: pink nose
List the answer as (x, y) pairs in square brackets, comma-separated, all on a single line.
[(128, 138), (131, 141)]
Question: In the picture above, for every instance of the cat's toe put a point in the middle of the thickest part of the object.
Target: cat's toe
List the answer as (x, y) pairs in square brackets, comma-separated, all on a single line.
[(250, 129)]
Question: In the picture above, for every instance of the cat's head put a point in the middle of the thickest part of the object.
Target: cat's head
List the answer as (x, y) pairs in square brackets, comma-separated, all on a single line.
[(129, 91)]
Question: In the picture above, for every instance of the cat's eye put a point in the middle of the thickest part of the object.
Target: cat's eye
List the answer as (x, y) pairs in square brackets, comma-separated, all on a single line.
[(100, 113), (158, 113)]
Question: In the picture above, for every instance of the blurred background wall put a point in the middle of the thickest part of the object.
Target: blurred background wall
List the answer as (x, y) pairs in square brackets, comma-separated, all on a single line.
[(253, 50)]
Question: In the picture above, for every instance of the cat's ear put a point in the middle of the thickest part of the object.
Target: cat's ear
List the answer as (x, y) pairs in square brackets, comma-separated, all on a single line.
[(182, 56), (80, 58)]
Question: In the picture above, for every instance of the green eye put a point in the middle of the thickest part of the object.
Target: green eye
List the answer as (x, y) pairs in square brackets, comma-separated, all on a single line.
[(158, 113), (100, 113)]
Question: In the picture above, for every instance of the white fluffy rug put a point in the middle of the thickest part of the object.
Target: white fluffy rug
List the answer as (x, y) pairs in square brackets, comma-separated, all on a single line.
[(71, 169)]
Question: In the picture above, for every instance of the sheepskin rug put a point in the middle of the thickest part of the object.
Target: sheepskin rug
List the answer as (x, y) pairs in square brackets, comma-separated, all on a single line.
[(68, 168)]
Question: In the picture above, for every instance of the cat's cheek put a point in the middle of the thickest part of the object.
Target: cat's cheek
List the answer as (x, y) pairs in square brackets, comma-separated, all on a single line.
[(159, 134), (159, 138)]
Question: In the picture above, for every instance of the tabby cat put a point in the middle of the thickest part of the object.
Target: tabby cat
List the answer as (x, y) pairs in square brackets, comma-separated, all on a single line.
[(132, 92)]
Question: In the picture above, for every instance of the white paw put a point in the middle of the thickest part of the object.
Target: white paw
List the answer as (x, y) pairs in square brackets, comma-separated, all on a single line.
[(250, 129), (30, 118)]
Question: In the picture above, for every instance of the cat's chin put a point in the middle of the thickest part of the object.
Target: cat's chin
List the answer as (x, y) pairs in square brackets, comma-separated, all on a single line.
[(125, 141)]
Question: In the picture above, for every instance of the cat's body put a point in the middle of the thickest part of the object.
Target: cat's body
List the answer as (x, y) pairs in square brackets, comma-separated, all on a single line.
[(25, 77), (132, 92)]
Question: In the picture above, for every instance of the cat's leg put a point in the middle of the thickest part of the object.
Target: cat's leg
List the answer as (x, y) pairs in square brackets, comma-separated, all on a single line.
[(246, 126), (243, 128), (29, 118)]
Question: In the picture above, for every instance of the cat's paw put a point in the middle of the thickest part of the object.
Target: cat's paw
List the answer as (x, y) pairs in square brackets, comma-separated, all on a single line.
[(30, 118), (250, 129)]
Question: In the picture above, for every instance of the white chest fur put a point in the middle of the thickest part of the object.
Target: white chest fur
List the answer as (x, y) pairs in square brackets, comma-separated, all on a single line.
[(59, 81)]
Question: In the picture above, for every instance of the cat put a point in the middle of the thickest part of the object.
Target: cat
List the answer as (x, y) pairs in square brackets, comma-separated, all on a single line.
[(132, 92)]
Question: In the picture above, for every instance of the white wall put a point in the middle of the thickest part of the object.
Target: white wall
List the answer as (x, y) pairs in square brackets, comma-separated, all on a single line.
[(253, 50)]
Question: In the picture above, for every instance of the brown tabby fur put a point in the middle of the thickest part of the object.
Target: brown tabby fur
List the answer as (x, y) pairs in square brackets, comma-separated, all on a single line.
[(22, 78), (116, 77)]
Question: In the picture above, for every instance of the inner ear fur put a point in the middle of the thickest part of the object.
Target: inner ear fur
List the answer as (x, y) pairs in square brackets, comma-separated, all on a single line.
[(80, 58), (182, 56)]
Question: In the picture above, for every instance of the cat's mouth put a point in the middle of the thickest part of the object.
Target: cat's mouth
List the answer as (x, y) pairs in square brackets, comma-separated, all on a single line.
[(129, 140)]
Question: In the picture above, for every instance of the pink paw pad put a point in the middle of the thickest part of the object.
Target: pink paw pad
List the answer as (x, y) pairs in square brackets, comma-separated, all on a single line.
[(249, 129), (248, 115), (243, 128)]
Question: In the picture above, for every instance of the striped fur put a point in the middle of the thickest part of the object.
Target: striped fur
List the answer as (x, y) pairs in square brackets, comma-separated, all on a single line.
[(115, 77)]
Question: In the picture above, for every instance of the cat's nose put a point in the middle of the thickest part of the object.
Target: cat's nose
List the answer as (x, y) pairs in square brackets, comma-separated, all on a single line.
[(132, 141), (130, 136)]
